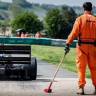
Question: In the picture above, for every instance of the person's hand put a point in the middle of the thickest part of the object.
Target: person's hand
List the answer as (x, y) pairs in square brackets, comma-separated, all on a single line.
[(67, 48)]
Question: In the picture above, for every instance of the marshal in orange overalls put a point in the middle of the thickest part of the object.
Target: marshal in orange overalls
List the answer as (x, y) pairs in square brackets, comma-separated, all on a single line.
[(27, 35), (85, 28), (22, 34), (37, 35)]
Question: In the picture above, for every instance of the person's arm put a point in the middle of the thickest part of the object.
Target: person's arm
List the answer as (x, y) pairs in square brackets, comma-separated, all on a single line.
[(75, 31)]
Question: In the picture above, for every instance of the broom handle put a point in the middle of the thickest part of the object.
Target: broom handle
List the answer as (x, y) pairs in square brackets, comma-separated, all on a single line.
[(57, 71), (58, 68)]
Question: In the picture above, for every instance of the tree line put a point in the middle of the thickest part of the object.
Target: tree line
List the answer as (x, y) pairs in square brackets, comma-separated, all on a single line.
[(5, 8), (57, 23)]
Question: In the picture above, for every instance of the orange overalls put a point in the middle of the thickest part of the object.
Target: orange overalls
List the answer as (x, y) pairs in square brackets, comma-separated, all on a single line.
[(26, 35), (22, 35), (85, 28), (37, 35)]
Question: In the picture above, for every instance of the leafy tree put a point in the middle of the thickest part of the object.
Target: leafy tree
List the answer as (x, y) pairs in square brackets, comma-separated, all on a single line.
[(22, 3), (3, 15), (18, 1), (28, 21), (4, 5), (59, 23), (68, 19), (15, 9), (36, 4), (53, 23), (48, 6), (4, 26)]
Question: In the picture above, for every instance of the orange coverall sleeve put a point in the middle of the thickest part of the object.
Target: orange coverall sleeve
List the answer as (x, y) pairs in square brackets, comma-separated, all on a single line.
[(75, 31)]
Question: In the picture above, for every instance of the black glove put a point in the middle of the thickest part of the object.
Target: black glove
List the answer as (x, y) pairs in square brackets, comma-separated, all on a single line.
[(67, 48)]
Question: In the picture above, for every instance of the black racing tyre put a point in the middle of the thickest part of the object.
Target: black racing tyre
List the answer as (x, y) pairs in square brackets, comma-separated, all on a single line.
[(31, 69)]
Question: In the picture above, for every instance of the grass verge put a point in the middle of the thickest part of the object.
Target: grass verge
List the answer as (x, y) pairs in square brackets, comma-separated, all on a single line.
[(53, 55)]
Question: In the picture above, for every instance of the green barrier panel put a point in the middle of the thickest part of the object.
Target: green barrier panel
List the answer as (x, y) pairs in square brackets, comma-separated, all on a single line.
[(42, 41), (74, 43), (11, 41), (15, 40), (32, 40), (37, 41), (29, 40), (46, 41), (26, 40), (4, 40), (19, 40)]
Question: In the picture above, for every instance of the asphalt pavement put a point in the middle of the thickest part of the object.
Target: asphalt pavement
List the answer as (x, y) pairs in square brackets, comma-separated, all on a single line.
[(65, 83)]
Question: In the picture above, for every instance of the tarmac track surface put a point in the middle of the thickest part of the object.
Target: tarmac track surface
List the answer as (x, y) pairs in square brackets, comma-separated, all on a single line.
[(65, 83)]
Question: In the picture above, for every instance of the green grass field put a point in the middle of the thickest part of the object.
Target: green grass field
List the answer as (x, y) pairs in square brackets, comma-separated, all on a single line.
[(53, 55)]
